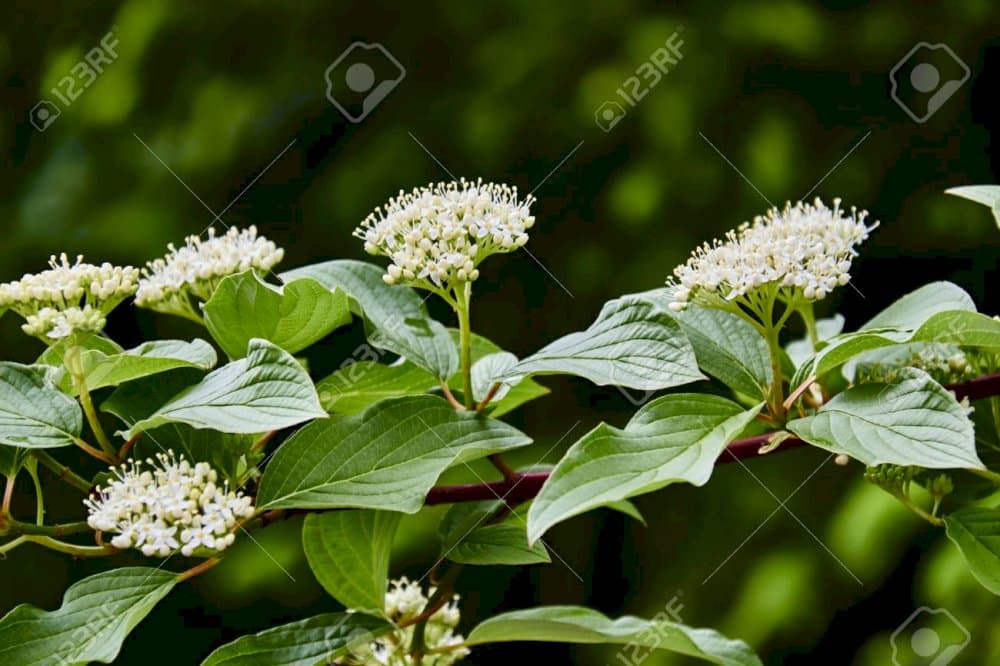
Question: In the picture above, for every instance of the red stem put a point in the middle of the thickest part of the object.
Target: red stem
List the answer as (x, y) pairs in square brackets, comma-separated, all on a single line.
[(524, 487)]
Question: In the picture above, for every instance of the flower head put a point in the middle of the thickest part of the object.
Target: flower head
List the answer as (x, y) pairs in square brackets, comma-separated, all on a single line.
[(404, 601), (167, 504), (805, 251), (195, 270), (68, 298), (436, 236)]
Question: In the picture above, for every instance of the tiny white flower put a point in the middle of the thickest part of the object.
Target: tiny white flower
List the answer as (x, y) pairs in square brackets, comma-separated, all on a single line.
[(405, 600), (170, 506), (68, 298), (805, 251), (435, 236), (192, 272)]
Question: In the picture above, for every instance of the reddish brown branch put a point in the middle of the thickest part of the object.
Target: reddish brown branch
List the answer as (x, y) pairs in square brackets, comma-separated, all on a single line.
[(524, 487)]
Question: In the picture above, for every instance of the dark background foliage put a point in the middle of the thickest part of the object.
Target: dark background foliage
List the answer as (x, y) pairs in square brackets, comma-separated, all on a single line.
[(770, 102)]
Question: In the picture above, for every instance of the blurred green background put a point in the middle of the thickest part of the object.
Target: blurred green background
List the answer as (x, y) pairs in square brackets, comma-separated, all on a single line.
[(222, 106)]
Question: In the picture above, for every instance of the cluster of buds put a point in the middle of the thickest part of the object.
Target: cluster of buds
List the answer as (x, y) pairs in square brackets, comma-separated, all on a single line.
[(436, 236), (804, 252), (68, 298), (404, 601), (946, 364), (190, 274), (164, 505)]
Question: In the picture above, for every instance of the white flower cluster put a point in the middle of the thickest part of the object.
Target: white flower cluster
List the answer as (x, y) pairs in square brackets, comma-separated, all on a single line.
[(437, 235), (52, 324), (403, 602), (195, 270), (169, 506), (68, 298), (806, 249)]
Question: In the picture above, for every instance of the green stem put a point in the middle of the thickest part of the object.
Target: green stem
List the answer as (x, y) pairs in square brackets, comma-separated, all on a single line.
[(465, 343), (62, 472), (91, 413), (919, 511), (777, 397), (987, 474), (809, 318), (39, 498), (17, 527), (58, 546), (445, 588)]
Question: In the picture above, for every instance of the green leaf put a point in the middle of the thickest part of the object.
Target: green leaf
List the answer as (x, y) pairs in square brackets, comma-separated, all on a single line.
[(988, 195), (634, 343), (517, 389), (387, 457), (574, 624), (230, 454), (292, 316), (728, 348), (801, 350), (96, 615), (314, 642), (962, 328), (11, 459), (360, 384), (628, 508), (267, 390), (976, 532), (462, 518), (674, 438), (397, 313), (348, 552), (55, 354), (34, 414), (101, 369), (895, 325), (491, 369), (912, 421), (504, 543), (913, 309)]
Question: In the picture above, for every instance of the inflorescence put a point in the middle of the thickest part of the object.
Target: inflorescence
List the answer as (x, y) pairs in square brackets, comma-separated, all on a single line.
[(404, 601), (436, 236), (68, 298), (164, 505), (805, 251), (195, 270)]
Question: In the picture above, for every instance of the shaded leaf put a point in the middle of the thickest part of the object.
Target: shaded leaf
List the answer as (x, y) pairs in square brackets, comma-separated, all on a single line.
[(96, 615), (317, 641), (976, 532), (361, 384), (348, 552), (503, 543)]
